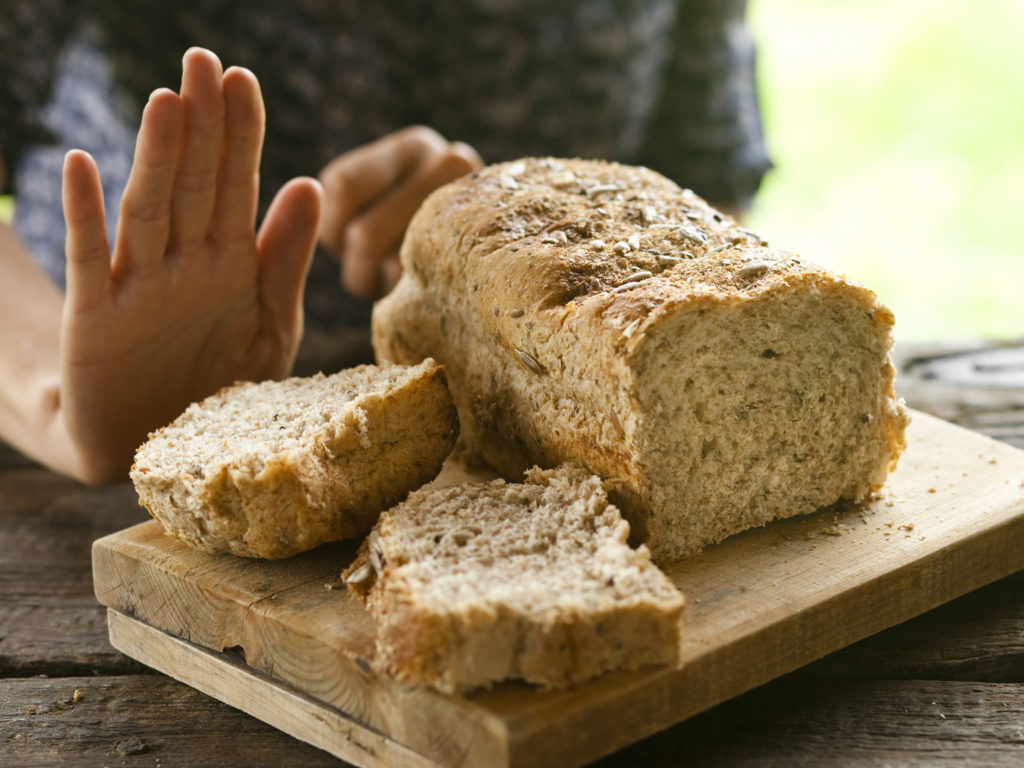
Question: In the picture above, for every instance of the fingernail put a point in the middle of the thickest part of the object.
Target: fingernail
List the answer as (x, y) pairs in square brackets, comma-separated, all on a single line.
[(246, 70), (158, 92), (197, 50)]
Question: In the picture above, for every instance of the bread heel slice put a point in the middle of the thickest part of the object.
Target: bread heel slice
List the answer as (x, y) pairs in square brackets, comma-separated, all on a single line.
[(276, 468), (483, 582)]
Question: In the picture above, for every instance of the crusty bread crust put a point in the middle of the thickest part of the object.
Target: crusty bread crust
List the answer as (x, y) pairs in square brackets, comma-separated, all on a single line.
[(595, 312), (483, 582), (273, 469)]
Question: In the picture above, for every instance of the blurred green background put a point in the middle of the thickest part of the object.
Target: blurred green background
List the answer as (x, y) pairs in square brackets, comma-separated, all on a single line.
[(897, 130)]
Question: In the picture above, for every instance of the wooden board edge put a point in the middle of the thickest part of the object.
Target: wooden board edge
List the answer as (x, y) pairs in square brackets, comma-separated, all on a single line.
[(439, 727), (659, 699), (279, 705)]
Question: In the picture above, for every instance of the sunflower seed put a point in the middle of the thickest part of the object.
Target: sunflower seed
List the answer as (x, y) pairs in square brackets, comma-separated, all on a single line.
[(641, 275), (557, 237), (360, 575), (530, 362), (601, 188), (376, 556), (693, 233), (753, 269), (627, 286)]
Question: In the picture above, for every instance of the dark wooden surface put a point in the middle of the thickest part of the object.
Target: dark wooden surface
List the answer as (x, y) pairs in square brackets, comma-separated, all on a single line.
[(946, 688)]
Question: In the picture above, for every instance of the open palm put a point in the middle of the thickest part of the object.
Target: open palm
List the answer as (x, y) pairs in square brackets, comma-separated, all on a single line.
[(191, 298)]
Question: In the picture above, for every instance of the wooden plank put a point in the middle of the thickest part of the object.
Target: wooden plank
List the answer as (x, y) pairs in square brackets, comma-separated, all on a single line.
[(793, 723), (154, 721), (979, 637), (50, 622), (237, 684), (291, 627), (136, 720), (760, 605)]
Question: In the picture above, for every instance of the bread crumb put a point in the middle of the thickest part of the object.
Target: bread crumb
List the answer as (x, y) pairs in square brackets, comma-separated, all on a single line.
[(931, 490), (131, 746)]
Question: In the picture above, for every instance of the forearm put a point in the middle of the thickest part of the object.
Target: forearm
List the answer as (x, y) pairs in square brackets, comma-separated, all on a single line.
[(30, 405)]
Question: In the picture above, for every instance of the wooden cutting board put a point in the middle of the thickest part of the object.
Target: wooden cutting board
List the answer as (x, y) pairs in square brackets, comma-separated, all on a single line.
[(284, 642)]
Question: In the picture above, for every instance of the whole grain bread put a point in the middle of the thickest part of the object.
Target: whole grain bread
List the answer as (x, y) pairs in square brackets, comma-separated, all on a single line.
[(595, 312), (276, 468), (482, 582)]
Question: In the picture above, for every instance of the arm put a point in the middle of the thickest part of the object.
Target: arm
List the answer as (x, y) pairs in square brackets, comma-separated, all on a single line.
[(189, 299), (30, 310), (371, 193)]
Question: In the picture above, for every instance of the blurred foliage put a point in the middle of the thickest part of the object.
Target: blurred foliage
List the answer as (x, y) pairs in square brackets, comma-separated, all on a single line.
[(897, 130), (6, 209)]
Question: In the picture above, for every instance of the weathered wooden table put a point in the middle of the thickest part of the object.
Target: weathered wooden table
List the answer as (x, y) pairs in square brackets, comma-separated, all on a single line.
[(946, 688)]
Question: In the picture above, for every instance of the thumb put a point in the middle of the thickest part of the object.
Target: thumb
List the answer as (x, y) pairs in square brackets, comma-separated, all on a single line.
[(285, 243)]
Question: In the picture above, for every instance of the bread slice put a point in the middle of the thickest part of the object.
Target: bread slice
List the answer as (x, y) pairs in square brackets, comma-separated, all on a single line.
[(273, 469), (482, 582), (594, 312)]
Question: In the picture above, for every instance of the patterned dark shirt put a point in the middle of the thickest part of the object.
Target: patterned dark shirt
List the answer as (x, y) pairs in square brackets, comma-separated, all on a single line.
[(664, 83)]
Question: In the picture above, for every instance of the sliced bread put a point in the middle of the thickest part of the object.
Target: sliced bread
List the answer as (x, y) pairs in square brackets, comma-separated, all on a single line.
[(482, 582), (276, 468)]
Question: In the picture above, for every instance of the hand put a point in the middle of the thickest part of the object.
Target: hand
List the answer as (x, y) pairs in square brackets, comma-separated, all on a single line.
[(371, 193), (192, 298)]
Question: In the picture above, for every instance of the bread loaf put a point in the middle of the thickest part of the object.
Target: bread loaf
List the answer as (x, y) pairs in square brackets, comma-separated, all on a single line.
[(273, 469), (594, 312), (482, 582)]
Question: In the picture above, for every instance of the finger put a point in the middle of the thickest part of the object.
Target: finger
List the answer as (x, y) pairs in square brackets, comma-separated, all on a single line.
[(196, 184), (234, 212), (285, 244), (467, 153), (86, 247), (356, 178), (377, 232), (391, 271), (144, 224)]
